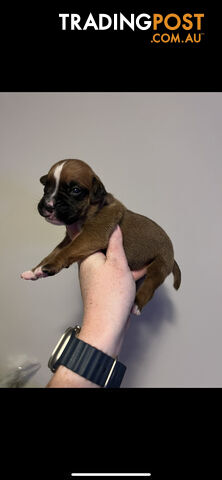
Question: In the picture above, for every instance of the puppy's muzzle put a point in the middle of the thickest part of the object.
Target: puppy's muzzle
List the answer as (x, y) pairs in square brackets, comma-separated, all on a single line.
[(49, 208), (45, 208)]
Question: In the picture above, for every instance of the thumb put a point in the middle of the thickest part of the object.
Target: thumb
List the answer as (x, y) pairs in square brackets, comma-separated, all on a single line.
[(115, 251)]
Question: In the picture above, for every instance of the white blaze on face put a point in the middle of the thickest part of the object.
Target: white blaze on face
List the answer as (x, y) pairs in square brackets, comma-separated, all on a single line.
[(57, 174)]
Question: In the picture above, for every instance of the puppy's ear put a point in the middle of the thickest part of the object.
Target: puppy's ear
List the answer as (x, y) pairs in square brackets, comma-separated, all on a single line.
[(43, 179), (97, 191)]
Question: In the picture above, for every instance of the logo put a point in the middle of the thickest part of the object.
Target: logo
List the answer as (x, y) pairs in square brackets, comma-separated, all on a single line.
[(170, 28)]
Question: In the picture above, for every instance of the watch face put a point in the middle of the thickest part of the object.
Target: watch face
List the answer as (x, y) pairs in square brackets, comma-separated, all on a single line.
[(61, 345)]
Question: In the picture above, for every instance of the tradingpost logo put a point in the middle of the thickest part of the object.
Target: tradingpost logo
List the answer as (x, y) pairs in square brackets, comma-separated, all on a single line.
[(170, 28)]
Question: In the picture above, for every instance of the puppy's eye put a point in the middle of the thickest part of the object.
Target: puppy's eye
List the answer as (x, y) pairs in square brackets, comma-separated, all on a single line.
[(76, 190)]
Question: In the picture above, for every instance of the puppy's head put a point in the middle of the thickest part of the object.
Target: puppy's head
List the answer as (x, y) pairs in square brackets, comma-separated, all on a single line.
[(70, 188)]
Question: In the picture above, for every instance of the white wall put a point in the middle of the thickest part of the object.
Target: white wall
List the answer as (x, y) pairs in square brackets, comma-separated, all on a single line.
[(160, 154)]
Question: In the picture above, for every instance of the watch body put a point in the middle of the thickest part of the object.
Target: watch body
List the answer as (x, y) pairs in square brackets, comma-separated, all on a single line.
[(60, 346), (86, 360)]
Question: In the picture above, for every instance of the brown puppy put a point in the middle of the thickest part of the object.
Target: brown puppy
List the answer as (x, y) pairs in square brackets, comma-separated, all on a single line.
[(75, 196)]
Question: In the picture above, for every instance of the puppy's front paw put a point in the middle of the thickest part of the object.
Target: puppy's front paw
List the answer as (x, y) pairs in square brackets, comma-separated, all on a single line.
[(33, 274), (28, 275)]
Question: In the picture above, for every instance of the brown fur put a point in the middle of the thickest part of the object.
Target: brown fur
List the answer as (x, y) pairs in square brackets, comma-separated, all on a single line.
[(145, 242)]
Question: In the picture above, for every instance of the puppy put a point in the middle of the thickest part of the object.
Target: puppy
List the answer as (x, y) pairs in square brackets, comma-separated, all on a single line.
[(74, 196)]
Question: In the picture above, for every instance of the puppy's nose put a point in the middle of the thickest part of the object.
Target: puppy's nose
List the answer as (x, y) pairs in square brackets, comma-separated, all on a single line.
[(49, 208)]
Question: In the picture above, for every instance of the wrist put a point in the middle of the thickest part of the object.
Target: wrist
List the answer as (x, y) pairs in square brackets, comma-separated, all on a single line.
[(106, 338), (68, 373)]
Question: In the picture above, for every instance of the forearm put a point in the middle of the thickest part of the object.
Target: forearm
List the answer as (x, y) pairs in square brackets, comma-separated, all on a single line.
[(65, 378), (108, 291)]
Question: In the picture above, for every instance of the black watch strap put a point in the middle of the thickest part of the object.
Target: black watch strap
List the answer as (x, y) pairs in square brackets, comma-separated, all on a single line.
[(91, 363)]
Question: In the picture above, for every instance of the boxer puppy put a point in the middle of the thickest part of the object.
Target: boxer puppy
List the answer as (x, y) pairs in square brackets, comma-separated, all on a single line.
[(74, 196)]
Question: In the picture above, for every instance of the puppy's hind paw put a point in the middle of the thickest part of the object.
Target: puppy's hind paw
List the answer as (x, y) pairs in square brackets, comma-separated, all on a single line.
[(135, 310)]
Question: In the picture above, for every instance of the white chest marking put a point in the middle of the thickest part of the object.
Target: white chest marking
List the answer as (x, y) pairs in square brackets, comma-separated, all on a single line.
[(57, 174)]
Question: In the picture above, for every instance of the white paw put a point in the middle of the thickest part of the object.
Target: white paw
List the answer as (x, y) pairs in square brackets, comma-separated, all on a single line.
[(29, 275), (135, 309)]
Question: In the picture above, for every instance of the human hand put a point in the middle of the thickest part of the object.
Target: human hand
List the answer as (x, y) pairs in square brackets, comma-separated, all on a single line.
[(108, 290)]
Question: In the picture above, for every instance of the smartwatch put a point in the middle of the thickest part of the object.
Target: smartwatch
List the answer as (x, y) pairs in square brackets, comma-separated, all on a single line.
[(86, 360)]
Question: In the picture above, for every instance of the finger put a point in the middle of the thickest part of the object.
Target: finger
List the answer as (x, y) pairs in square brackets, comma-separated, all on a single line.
[(94, 260), (115, 251), (137, 274)]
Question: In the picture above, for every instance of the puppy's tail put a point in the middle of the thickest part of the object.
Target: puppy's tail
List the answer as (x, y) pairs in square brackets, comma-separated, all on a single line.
[(177, 275)]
